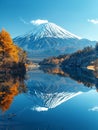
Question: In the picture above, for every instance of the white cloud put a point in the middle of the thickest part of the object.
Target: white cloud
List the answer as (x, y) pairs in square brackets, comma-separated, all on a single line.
[(94, 21), (94, 109), (23, 21), (38, 21), (39, 109)]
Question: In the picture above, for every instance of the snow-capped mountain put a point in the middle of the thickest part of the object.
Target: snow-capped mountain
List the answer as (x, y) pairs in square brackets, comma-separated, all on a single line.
[(50, 39), (49, 30)]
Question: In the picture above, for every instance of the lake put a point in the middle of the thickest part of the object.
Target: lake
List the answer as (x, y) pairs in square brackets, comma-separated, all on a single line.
[(49, 99)]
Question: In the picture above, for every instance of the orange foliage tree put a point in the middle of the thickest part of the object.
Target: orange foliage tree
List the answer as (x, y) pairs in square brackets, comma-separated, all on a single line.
[(7, 46)]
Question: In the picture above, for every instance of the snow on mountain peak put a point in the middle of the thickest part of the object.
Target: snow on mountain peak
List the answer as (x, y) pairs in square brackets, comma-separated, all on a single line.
[(47, 29)]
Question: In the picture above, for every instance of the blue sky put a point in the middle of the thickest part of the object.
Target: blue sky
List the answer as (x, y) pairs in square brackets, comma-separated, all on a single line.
[(77, 16)]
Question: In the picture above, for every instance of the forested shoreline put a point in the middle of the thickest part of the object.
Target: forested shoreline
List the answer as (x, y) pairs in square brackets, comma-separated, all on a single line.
[(81, 58), (12, 57)]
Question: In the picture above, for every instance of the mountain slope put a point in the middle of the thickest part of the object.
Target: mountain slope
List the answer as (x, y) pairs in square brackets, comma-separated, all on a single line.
[(50, 39)]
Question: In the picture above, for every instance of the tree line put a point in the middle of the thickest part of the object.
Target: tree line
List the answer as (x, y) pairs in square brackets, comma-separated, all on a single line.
[(10, 54)]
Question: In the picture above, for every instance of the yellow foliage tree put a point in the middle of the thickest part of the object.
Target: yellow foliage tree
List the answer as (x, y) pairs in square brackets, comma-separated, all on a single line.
[(8, 47)]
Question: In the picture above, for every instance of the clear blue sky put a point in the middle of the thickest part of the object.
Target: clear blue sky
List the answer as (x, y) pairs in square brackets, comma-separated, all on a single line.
[(77, 16)]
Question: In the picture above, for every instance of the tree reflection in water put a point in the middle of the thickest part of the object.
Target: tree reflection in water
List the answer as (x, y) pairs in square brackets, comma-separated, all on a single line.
[(10, 86), (81, 75)]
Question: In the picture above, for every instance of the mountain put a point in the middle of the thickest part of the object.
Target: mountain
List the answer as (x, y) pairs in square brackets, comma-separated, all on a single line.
[(48, 39), (50, 30)]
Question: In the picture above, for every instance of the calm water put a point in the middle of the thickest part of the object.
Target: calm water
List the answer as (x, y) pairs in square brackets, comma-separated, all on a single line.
[(49, 101)]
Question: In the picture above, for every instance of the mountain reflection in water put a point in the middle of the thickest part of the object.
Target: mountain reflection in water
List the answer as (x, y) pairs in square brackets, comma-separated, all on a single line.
[(55, 86), (46, 97), (45, 90)]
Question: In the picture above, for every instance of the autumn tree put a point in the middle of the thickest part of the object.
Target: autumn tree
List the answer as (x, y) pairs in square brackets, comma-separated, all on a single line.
[(9, 52), (7, 46), (22, 55)]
